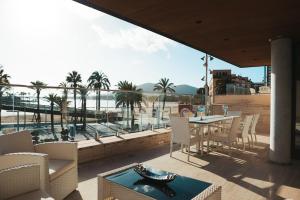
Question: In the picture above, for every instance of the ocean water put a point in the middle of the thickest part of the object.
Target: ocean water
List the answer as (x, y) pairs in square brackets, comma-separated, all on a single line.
[(91, 105), (106, 105)]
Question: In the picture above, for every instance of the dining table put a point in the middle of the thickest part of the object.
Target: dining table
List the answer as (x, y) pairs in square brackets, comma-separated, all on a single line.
[(203, 122)]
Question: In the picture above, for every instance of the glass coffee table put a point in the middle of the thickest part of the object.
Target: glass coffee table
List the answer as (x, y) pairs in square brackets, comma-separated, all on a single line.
[(125, 184)]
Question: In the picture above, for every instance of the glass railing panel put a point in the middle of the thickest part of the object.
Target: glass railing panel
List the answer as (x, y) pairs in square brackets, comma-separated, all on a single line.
[(120, 112), (105, 124), (51, 114)]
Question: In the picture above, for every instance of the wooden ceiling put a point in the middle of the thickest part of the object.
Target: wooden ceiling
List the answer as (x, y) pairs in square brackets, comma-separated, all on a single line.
[(236, 31)]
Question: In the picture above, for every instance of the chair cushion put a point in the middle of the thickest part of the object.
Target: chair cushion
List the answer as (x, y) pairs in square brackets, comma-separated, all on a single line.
[(59, 167), (16, 142)]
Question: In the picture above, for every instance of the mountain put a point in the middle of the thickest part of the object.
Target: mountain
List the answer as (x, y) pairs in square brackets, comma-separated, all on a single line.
[(185, 89), (147, 87), (179, 89)]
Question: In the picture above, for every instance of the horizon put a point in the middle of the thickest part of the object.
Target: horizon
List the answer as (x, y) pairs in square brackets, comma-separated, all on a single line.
[(46, 40)]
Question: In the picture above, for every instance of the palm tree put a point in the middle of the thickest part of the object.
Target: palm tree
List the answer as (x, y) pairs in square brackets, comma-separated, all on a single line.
[(129, 99), (98, 81), (37, 86), (51, 98), (74, 78), (151, 99), (164, 86), (65, 93), (122, 98), (61, 102), (83, 91), (65, 90), (135, 99), (3, 81)]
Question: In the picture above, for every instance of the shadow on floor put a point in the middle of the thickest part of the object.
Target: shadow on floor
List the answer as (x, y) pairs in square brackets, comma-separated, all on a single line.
[(249, 167), (75, 195)]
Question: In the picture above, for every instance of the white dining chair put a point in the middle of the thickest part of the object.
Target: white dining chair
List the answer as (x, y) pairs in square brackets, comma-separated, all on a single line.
[(227, 123), (200, 130), (193, 127), (253, 128), (182, 134), (228, 135), (234, 113), (244, 130), (188, 114)]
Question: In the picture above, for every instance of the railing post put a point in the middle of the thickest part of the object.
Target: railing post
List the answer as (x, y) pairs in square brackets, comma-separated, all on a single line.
[(96, 135), (106, 109), (18, 121), (13, 101), (141, 121)]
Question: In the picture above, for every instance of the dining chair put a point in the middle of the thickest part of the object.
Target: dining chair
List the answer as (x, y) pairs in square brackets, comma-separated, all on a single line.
[(244, 130), (201, 130), (227, 123), (188, 114), (234, 113), (227, 135), (174, 114), (193, 127), (253, 128), (182, 134)]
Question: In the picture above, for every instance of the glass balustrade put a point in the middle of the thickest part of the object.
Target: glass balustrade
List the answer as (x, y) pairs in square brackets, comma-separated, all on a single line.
[(55, 113)]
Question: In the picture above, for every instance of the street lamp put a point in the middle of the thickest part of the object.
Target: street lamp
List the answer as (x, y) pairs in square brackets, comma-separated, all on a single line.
[(206, 58)]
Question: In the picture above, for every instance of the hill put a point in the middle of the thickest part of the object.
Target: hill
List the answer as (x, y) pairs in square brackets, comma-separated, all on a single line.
[(179, 89)]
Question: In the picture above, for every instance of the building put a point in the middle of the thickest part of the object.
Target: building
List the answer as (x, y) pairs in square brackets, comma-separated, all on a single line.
[(259, 86), (223, 82), (268, 76)]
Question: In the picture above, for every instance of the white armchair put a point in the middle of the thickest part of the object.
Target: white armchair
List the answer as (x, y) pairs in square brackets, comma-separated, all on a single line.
[(58, 161), (21, 182)]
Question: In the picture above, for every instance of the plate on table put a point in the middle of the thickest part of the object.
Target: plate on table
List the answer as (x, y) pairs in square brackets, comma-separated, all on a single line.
[(154, 174)]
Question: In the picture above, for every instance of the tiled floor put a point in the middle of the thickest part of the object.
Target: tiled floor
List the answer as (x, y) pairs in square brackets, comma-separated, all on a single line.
[(244, 175)]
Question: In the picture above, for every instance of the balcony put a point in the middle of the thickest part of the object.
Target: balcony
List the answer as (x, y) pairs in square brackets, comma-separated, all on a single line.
[(116, 136)]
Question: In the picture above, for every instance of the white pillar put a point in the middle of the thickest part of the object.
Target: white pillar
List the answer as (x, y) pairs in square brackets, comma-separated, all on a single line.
[(281, 100)]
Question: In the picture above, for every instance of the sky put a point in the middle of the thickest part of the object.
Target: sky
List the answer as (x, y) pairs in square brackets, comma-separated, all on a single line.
[(45, 39)]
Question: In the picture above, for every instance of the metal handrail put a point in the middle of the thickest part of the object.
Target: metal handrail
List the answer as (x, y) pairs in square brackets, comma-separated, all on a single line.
[(96, 137)]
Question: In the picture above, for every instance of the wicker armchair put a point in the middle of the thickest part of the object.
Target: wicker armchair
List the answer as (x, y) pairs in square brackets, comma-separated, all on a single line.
[(58, 161), (21, 182)]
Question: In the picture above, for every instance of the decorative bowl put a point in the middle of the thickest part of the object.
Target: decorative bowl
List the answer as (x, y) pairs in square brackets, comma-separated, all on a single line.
[(154, 174)]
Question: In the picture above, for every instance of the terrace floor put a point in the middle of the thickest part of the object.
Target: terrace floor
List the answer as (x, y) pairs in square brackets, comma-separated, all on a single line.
[(244, 175)]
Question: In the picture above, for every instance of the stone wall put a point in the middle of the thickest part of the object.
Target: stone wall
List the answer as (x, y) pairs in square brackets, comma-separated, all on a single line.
[(111, 146), (248, 104)]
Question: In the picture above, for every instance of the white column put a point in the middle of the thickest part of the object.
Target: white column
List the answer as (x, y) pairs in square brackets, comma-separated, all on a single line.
[(281, 100)]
